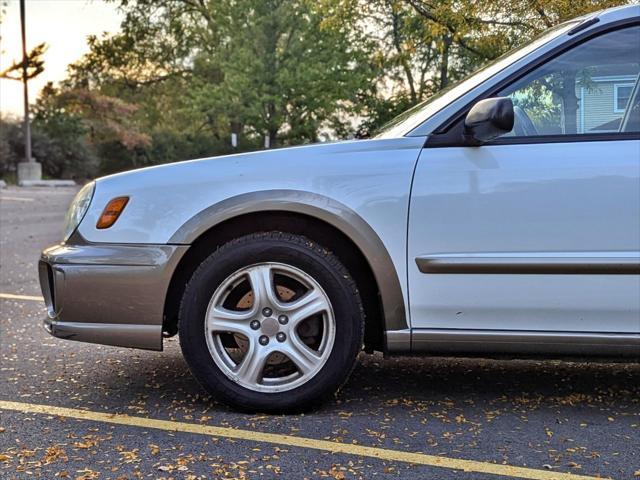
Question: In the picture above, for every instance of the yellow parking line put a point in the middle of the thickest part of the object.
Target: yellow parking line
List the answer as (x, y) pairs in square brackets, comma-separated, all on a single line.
[(294, 441), (11, 296)]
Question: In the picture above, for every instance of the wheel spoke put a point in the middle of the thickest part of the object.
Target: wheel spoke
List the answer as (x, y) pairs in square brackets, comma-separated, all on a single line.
[(304, 358), (312, 303), (270, 325), (264, 294), (221, 319), (250, 368)]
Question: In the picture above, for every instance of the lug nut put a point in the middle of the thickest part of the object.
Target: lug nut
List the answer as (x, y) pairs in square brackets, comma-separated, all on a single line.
[(281, 337), (264, 340), (283, 320), (255, 324), (267, 312)]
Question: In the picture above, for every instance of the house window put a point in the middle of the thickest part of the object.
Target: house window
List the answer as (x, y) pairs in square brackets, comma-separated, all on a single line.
[(621, 95)]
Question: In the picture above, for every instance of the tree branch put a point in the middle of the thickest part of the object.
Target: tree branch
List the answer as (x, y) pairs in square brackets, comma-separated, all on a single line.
[(422, 10)]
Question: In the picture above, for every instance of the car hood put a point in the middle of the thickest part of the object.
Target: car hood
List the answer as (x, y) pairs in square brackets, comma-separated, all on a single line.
[(243, 163)]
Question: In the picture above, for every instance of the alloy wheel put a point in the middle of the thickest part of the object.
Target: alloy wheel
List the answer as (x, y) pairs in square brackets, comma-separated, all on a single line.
[(270, 327)]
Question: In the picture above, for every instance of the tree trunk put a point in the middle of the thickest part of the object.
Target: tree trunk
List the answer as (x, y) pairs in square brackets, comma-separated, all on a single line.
[(569, 103), (397, 43), (272, 34), (273, 127), (444, 64)]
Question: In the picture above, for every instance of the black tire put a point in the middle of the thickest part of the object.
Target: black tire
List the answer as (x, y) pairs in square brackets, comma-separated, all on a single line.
[(301, 253)]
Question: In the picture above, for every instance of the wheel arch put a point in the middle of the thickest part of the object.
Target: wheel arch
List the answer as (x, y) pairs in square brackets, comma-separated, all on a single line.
[(320, 218)]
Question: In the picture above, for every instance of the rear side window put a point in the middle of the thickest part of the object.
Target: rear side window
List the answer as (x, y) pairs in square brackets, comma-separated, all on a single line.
[(590, 89)]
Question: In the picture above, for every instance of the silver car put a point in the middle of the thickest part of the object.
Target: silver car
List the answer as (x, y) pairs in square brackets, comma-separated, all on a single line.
[(502, 216)]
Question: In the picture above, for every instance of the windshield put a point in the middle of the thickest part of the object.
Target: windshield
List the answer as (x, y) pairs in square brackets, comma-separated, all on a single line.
[(407, 121)]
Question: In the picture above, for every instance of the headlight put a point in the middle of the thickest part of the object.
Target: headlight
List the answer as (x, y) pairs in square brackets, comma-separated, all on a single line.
[(78, 209)]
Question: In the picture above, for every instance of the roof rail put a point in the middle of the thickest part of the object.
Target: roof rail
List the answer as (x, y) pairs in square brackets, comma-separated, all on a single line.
[(586, 23)]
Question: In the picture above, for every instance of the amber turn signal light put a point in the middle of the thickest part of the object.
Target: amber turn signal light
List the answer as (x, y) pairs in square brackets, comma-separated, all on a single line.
[(111, 212)]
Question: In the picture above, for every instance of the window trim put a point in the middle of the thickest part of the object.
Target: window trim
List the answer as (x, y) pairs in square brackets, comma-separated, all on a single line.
[(435, 141), (615, 96), (449, 132)]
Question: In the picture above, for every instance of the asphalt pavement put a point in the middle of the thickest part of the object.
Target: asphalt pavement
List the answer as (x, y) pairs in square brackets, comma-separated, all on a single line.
[(81, 411)]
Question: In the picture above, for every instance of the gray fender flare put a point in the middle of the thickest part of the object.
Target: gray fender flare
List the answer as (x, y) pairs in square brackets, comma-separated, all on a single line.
[(323, 208)]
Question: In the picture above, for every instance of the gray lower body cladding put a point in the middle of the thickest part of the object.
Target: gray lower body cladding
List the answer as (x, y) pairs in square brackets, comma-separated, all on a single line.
[(108, 294)]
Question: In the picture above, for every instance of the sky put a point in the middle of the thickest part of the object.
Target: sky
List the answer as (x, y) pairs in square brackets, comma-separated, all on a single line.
[(63, 25)]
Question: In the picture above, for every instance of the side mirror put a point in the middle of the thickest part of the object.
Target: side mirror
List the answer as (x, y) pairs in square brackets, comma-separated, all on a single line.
[(488, 119)]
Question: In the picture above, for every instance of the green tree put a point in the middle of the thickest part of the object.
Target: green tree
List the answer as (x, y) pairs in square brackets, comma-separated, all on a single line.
[(414, 57), (273, 68), (75, 124), (487, 29), (60, 139), (441, 41)]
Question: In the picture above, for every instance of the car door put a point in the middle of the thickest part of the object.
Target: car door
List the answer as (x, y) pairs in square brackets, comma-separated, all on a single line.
[(539, 230)]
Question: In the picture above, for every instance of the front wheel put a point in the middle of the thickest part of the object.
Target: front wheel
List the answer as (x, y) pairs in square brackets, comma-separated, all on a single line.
[(271, 322)]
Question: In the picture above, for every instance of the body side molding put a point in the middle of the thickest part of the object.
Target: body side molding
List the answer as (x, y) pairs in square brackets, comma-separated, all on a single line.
[(543, 263)]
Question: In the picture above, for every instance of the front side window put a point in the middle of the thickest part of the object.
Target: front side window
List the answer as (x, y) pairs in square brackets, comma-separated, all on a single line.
[(587, 90), (414, 117)]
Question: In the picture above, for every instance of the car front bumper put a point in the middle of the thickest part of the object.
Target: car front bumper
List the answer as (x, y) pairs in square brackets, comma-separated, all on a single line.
[(108, 294)]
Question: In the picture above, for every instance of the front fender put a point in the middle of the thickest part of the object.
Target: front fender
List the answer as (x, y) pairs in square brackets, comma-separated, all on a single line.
[(323, 208)]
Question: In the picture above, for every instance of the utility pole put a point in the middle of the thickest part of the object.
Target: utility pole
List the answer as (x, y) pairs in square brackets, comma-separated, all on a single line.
[(25, 86), (29, 169)]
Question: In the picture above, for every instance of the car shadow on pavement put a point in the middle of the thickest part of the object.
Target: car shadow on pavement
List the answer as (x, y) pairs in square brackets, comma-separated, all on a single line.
[(379, 382)]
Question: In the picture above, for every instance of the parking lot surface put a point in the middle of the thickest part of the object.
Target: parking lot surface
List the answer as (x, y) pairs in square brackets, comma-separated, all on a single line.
[(81, 411)]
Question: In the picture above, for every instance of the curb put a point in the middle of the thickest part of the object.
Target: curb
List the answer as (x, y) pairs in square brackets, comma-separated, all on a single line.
[(47, 183)]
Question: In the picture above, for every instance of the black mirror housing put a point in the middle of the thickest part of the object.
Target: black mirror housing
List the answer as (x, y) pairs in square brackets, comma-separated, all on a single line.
[(488, 119)]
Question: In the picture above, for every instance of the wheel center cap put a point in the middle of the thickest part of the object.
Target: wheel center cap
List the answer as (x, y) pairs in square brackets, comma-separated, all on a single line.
[(270, 326)]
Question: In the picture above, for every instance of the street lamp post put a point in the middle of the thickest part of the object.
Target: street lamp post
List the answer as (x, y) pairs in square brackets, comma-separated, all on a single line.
[(29, 169)]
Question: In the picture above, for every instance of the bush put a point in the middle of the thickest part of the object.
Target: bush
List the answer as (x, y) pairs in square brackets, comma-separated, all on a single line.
[(57, 144), (10, 150)]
